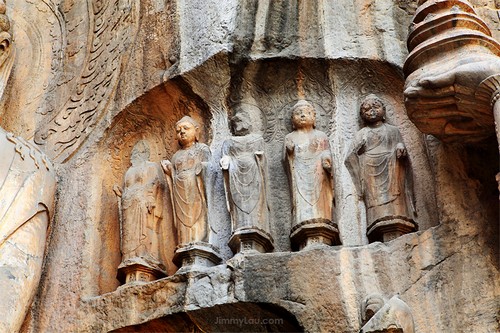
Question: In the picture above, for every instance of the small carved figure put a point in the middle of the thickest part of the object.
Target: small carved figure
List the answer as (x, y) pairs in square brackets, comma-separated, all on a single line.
[(308, 159), (142, 203), (187, 176), (244, 165), (378, 164), (386, 316), (187, 173)]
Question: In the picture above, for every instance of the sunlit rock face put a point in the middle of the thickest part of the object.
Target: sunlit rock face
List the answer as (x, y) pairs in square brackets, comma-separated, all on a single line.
[(91, 79)]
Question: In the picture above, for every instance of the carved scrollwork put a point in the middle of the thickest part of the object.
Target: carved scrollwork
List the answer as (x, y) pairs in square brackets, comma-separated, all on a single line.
[(111, 27)]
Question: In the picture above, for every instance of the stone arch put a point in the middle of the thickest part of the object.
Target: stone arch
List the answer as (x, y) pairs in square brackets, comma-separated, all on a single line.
[(236, 317), (151, 118)]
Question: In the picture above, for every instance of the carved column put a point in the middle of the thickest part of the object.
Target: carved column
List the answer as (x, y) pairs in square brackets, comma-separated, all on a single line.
[(451, 54), (452, 73)]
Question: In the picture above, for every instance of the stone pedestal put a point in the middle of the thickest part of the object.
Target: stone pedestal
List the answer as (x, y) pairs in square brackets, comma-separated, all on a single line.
[(251, 240), (137, 273), (384, 231), (199, 254), (314, 232), (447, 39)]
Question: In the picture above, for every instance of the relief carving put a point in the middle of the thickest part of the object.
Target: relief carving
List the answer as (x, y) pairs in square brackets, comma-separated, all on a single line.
[(142, 202), (244, 164), (308, 161), (27, 197), (70, 119), (381, 172), (379, 315), (6, 51), (263, 90), (27, 194), (187, 177), (452, 72)]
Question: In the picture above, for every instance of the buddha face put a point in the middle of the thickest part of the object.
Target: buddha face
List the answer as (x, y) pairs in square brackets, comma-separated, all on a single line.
[(303, 116), (140, 153), (372, 111), (241, 124), (186, 133)]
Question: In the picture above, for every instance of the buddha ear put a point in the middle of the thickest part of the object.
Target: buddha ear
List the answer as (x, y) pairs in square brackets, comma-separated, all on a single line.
[(6, 59), (5, 36), (197, 135), (5, 46)]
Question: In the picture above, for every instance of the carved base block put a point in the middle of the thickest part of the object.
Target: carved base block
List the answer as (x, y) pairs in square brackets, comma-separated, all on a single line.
[(196, 254), (138, 273), (385, 231), (251, 240), (313, 233)]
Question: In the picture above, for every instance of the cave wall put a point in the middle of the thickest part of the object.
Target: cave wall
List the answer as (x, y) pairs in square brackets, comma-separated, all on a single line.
[(105, 74)]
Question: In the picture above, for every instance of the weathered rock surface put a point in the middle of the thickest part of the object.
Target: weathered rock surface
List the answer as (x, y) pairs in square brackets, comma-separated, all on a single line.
[(91, 78)]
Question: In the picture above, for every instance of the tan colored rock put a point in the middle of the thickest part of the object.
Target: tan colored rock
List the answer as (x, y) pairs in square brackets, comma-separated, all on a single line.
[(91, 78), (27, 193), (27, 198), (142, 201)]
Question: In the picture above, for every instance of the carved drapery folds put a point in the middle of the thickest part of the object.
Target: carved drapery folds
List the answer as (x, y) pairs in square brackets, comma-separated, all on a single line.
[(98, 45), (142, 202), (308, 162), (381, 173), (244, 164), (27, 195), (187, 176)]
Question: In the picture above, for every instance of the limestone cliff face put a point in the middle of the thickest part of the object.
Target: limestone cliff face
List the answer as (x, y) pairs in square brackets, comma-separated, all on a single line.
[(92, 78)]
